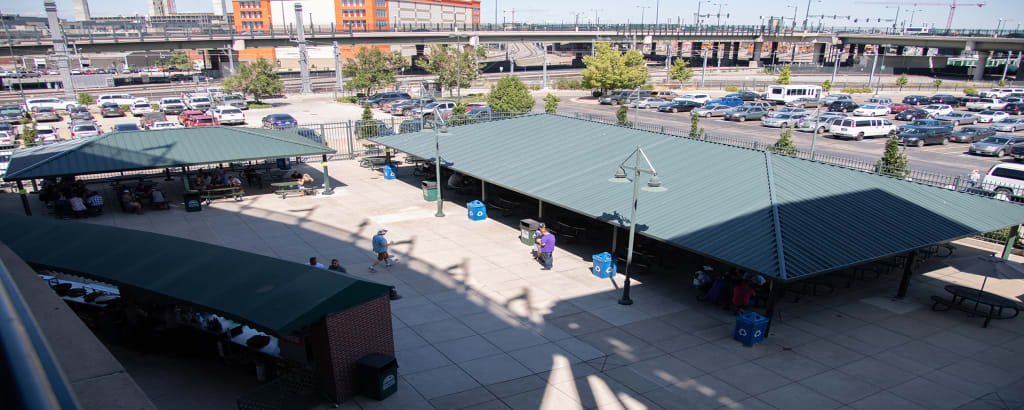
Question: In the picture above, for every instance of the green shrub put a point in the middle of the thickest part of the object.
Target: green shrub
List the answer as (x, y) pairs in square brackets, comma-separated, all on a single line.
[(971, 91), (568, 84), (864, 90), (254, 104), (155, 106), (551, 104), (647, 87), (1002, 82), (533, 87), (125, 108), (596, 93), (28, 135), (86, 99), (732, 88), (352, 100)]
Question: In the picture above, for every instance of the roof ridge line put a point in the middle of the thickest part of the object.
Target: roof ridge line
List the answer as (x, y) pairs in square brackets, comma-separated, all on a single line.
[(776, 226), (62, 153), (248, 130)]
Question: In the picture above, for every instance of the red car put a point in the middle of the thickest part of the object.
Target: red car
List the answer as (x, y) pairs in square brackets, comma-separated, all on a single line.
[(184, 116), (899, 107), (200, 121)]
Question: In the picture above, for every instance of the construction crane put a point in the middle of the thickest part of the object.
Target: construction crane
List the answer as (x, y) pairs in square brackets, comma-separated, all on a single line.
[(952, 7)]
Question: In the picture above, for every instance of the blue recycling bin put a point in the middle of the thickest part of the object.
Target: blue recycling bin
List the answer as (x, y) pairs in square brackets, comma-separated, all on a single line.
[(604, 265), (389, 172), (750, 328), (284, 163), (477, 211)]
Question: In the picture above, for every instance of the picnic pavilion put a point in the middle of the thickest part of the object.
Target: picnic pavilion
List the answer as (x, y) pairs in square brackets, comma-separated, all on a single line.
[(787, 218)]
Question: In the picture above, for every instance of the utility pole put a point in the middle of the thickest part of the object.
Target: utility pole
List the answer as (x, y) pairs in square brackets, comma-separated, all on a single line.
[(835, 70), (657, 7), (642, 10), (60, 49), (339, 80), (545, 85), (300, 37), (705, 69), (875, 60)]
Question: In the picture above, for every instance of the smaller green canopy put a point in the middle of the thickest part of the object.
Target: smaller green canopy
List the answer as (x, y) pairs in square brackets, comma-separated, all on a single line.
[(154, 149), (273, 295)]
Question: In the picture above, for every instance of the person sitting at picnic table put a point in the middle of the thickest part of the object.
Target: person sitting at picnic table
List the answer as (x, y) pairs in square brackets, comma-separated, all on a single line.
[(250, 174), (307, 184), (157, 199), (94, 200), (296, 176), (702, 280), (234, 181), (130, 202), (456, 181), (314, 263), (77, 206), (741, 296), (757, 281), (721, 289)]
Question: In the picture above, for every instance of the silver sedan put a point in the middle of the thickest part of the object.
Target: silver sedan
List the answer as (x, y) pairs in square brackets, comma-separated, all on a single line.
[(708, 111), (958, 118)]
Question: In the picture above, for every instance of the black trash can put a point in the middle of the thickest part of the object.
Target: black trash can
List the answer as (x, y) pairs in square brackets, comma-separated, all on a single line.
[(429, 190), (193, 202), (377, 375)]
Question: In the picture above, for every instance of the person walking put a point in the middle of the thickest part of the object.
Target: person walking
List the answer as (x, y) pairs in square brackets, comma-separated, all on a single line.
[(380, 246), (547, 246)]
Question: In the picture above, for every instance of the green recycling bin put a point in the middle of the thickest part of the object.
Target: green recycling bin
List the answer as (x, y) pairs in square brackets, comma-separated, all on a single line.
[(429, 190), (193, 202), (377, 375), (527, 227)]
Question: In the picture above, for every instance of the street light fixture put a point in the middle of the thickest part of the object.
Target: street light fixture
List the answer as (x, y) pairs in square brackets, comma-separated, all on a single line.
[(439, 128), (642, 10), (698, 17), (653, 185), (719, 14)]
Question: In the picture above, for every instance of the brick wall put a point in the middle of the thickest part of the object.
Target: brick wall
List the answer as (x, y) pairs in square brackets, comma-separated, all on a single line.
[(342, 339)]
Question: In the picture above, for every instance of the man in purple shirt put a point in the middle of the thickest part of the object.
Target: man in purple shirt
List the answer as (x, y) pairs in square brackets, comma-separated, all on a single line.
[(547, 246)]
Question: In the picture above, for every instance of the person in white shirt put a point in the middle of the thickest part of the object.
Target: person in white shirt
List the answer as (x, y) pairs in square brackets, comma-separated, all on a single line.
[(315, 264)]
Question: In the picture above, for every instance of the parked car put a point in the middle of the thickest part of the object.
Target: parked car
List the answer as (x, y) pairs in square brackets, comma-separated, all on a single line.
[(700, 98), (967, 99), (172, 105), (45, 114), (376, 100), (921, 136), (79, 113), (233, 100), (198, 102), (820, 123), (54, 103), (745, 95), (916, 100), (82, 129), (311, 135), (138, 108), (710, 110), (1006, 179), (938, 109), (109, 109), (1008, 125), (879, 100), (763, 104), (11, 114), (831, 98), (126, 127), (148, 119), (912, 114), (406, 107), (860, 127), (414, 125), (943, 99), (971, 134), (744, 113), (613, 98), (729, 101), (183, 118), (201, 121), (843, 106), (160, 125), (427, 111), (996, 145), (930, 122), (1014, 108), (677, 106), (782, 120), (958, 117), (279, 121), (646, 102), (664, 94), (871, 110), (119, 99), (226, 115), (898, 107), (986, 104), (792, 110), (481, 114), (804, 102), (7, 138), (991, 116), (46, 134)]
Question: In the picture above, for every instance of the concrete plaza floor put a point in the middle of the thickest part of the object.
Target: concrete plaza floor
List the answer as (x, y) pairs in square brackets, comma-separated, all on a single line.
[(481, 326)]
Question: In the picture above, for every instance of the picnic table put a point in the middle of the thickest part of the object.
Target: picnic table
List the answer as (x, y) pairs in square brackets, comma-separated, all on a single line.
[(290, 187), (209, 195), (114, 181), (985, 304)]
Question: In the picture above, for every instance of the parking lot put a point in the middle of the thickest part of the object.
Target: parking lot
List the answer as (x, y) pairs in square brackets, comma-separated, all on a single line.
[(952, 159)]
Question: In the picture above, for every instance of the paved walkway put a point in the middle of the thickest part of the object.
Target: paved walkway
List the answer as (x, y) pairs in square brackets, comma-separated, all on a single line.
[(481, 326)]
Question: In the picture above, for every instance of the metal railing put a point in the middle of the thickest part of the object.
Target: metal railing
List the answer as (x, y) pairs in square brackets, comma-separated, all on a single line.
[(37, 379)]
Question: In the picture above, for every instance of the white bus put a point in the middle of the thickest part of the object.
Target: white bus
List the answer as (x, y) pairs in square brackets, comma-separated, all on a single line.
[(786, 93)]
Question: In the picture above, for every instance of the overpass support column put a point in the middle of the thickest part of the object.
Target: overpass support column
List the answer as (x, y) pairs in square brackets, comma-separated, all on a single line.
[(60, 50), (715, 48), (735, 52), (755, 58), (899, 50), (775, 52), (726, 52), (924, 51), (300, 37), (819, 53), (979, 68)]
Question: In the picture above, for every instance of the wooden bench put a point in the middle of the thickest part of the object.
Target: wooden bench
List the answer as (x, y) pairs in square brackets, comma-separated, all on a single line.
[(293, 187), (209, 195)]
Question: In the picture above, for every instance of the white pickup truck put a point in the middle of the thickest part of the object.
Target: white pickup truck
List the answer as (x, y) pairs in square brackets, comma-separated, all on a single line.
[(226, 114), (55, 103), (198, 102), (986, 104)]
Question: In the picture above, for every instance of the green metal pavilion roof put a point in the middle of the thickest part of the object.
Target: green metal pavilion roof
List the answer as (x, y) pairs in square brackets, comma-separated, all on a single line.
[(782, 216), (269, 294), (154, 149)]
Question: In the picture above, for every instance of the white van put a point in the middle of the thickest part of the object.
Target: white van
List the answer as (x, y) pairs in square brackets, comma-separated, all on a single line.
[(782, 94), (119, 99), (701, 98), (860, 127), (1006, 179)]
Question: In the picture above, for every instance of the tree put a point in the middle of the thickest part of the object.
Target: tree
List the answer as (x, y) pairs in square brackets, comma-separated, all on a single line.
[(551, 103), (1002, 82), (694, 124), (894, 162), (459, 116), (510, 95), (827, 85), (784, 73), (785, 143), (937, 83), (85, 99), (971, 91), (367, 125), (902, 81), (610, 69), (177, 60), (258, 78), (681, 70), (449, 63), (623, 116), (372, 69), (28, 135)]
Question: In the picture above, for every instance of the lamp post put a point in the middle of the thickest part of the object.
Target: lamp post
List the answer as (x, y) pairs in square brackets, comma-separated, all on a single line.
[(911, 23), (642, 10), (439, 128), (699, 3), (719, 14), (653, 185)]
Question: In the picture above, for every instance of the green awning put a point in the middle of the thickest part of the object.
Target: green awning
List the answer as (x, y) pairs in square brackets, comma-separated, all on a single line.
[(155, 149), (273, 295), (784, 217)]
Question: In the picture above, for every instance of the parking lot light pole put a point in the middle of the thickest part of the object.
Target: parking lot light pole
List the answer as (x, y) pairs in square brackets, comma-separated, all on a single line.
[(653, 185), (439, 127), (817, 124)]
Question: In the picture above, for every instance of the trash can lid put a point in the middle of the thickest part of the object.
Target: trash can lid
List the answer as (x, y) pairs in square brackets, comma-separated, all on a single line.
[(377, 360)]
